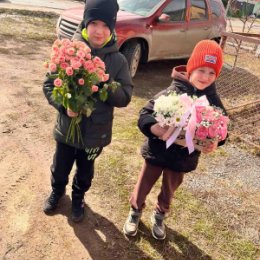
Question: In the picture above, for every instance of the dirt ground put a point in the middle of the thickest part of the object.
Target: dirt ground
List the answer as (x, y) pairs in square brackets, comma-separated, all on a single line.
[(27, 146)]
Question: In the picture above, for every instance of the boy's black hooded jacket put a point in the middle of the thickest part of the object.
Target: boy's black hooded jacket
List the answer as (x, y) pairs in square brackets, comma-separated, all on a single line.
[(154, 150)]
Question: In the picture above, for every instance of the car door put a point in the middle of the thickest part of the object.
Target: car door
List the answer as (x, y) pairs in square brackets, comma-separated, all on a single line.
[(199, 25), (168, 37)]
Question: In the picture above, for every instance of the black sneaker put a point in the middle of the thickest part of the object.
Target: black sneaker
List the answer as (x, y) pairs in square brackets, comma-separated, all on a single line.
[(78, 208), (51, 203), (158, 227), (132, 222)]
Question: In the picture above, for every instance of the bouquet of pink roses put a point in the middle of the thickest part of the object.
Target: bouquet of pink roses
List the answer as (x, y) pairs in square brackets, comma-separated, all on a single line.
[(211, 124), (206, 124), (76, 77)]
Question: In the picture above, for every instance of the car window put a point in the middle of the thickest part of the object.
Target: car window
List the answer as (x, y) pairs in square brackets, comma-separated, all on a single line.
[(140, 7), (198, 10), (176, 9), (215, 8)]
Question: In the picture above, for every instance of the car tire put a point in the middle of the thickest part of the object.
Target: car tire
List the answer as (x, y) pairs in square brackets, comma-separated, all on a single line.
[(133, 52)]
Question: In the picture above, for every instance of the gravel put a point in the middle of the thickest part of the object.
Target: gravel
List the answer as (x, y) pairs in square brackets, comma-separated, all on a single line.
[(229, 184)]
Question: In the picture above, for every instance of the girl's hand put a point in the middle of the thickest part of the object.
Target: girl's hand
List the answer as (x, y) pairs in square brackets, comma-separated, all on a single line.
[(162, 132), (210, 147), (70, 113), (157, 130)]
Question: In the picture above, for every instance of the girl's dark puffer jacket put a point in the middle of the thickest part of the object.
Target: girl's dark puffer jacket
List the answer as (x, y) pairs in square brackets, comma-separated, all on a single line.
[(175, 157)]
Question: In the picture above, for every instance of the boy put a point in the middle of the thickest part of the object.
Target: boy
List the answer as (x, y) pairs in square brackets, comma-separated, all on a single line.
[(197, 78), (98, 33)]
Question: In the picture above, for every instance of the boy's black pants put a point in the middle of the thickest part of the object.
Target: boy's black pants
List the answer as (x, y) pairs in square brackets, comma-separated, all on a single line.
[(63, 161)]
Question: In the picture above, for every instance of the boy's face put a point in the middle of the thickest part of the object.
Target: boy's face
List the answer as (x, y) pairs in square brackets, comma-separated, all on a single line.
[(202, 77), (98, 33)]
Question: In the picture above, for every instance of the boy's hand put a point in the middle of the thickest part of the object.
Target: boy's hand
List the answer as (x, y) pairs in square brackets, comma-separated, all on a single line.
[(70, 113), (210, 147)]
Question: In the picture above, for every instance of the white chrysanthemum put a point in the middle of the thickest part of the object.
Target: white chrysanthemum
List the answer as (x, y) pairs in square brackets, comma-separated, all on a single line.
[(168, 110)]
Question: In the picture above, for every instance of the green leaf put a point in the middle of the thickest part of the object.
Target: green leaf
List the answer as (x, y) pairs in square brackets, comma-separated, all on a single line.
[(103, 94)]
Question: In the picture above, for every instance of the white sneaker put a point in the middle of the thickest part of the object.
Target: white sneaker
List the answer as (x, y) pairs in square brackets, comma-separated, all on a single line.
[(131, 225)]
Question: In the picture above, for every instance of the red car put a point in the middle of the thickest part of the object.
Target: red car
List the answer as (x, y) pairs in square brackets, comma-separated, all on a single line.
[(157, 29)]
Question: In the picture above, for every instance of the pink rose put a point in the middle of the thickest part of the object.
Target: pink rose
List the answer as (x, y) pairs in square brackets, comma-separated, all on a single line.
[(89, 66), (99, 63), (62, 58), (201, 133), (81, 53), (94, 88), (65, 42), (213, 131), (57, 42), (63, 50), (69, 71), (86, 49), (55, 51), (211, 115), (75, 64), (68, 57), (223, 132), (57, 82), (55, 59), (199, 113), (64, 65), (100, 74), (88, 56), (52, 67), (105, 77), (82, 61), (70, 51), (81, 82)]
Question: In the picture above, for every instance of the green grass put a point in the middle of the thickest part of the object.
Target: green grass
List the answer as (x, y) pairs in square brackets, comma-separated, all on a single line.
[(14, 25)]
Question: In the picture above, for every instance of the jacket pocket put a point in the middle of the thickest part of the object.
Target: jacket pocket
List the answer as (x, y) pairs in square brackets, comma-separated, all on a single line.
[(101, 118)]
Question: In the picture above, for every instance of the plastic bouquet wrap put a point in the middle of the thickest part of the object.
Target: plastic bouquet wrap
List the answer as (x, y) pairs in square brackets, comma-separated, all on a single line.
[(192, 122), (77, 77)]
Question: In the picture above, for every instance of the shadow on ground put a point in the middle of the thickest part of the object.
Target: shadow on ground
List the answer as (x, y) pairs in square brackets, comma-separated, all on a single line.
[(103, 240)]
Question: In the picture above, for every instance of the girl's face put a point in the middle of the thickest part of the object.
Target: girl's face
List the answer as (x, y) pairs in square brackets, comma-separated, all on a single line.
[(202, 77), (98, 33)]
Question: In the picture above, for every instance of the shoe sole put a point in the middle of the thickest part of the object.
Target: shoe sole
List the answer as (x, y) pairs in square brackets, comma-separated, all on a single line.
[(158, 238), (77, 219), (129, 234), (49, 212)]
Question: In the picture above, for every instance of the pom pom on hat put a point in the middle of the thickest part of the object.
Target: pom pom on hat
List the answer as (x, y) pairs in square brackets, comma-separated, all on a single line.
[(103, 10), (207, 53)]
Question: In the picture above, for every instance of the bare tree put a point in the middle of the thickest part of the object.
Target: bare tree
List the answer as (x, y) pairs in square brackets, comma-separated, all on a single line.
[(247, 21)]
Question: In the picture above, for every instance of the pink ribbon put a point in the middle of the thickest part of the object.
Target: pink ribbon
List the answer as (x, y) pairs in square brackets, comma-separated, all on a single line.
[(191, 126)]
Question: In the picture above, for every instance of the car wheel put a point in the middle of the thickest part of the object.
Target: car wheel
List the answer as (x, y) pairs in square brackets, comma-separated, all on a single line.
[(132, 51)]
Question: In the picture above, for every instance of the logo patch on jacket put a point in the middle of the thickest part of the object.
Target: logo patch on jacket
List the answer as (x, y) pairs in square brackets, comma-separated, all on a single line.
[(211, 59)]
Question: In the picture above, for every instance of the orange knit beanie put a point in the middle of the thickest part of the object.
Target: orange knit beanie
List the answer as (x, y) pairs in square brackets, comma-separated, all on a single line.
[(207, 53)]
